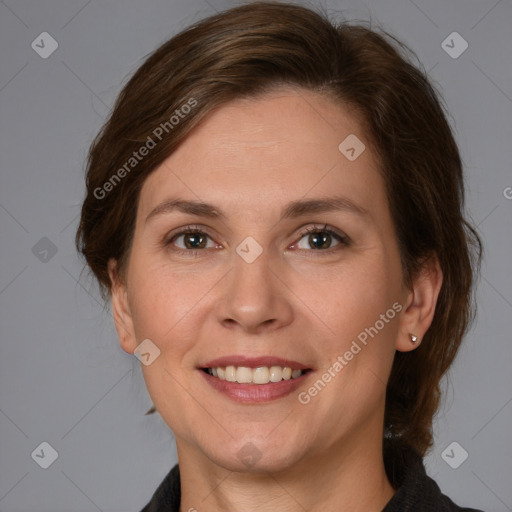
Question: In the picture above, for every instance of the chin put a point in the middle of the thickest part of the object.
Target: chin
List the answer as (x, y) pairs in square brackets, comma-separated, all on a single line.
[(257, 456)]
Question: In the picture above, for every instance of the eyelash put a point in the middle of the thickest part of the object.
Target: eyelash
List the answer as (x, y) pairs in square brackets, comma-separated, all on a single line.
[(344, 240)]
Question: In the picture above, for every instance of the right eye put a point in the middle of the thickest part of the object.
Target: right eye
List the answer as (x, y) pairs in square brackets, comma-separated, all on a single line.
[(190, 240)]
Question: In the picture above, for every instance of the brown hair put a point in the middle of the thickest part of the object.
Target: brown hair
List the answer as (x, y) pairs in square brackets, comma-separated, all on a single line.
[(245, 52)]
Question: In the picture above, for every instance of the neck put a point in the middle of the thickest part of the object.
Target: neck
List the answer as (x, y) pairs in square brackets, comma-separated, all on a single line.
[(347, 476)]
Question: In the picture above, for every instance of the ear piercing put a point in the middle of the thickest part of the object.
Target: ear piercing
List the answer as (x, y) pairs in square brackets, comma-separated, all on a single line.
[(414, 339)]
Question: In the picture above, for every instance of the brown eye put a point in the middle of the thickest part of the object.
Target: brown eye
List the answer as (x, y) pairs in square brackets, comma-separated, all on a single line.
[(191, 240), (194, 241), (320, 239)]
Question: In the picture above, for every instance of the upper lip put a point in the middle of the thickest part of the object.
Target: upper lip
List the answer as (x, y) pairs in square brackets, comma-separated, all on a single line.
[(254, 362)]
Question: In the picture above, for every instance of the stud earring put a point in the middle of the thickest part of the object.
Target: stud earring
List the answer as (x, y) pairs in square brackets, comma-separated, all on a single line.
[(414, 339)]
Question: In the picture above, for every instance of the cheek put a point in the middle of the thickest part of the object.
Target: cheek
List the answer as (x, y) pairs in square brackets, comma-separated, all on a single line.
[(169, 309), (358, 348), (166, 302), (358, 326), (349, 297)]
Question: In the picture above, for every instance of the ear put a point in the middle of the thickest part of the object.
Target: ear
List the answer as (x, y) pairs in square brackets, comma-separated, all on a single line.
[(420, 305), (121, 309)]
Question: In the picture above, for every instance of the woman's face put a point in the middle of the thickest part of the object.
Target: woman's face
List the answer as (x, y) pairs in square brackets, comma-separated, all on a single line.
[(294, 264)]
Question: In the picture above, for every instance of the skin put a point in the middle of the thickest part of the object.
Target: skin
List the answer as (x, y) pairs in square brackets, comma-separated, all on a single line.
[(250, 158)]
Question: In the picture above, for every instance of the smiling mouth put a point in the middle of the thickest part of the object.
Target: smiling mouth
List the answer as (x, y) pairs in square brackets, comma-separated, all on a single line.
[(259, 375)]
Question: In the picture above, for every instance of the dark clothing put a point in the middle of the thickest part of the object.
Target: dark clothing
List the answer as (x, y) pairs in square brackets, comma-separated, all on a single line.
[(415, 491), (168, 495)]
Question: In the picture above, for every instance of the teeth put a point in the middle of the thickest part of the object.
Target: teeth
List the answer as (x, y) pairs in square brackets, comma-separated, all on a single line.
[(260, 375), (230, 374), (243, 375), (276, 373)]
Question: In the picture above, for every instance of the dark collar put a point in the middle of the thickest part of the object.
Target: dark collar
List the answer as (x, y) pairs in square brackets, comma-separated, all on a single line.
[(167, 497), (415, 490)]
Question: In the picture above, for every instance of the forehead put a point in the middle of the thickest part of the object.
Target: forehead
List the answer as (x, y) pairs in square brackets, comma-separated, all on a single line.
[(261, 152)]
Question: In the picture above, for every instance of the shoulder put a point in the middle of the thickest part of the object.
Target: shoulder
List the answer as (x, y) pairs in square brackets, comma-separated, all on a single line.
[(415, 490)]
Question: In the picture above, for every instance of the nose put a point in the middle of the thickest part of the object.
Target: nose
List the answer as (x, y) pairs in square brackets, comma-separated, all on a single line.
[(255, 298)]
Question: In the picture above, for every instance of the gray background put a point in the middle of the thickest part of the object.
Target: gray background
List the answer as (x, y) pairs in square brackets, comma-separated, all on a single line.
[(65, 380)]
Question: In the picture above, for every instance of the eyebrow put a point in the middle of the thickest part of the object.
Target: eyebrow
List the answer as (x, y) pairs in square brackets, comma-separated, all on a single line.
[(292, 210)]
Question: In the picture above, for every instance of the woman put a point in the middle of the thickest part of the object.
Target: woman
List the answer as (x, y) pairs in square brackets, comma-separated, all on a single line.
[(275, 209)]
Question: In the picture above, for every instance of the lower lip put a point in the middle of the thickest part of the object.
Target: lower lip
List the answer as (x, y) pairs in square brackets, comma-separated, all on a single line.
[(254, 393)]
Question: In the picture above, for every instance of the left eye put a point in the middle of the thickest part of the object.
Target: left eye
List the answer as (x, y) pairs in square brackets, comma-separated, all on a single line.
[(319, 238), (192, 240)]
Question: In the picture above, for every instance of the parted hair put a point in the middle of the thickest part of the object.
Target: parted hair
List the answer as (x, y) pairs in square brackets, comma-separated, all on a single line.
[(245, 52)]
